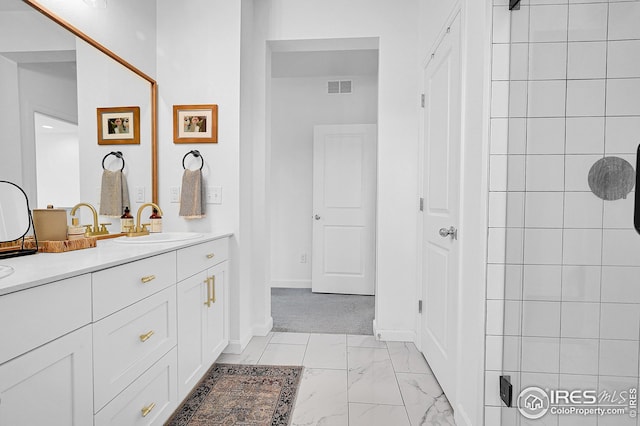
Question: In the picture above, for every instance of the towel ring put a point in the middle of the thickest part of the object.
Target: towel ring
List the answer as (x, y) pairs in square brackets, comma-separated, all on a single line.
[(118, 154), (196, 154)]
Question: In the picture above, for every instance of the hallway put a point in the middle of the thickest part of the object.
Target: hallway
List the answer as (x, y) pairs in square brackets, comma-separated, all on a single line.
[(300, 310), (353, 380)]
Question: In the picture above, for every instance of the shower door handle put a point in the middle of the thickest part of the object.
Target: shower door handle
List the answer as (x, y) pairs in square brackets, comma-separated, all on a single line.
[(450, 231)]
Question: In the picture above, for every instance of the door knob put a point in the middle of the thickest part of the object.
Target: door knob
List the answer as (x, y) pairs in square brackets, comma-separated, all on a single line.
[(317, 217), (450, 231)]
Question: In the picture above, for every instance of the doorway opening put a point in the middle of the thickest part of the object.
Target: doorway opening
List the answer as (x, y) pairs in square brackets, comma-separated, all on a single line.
[(57, 161), (315, 86)]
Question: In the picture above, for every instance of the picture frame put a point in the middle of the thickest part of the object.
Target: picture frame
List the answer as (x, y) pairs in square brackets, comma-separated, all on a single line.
[(118, 125), (195, 123)]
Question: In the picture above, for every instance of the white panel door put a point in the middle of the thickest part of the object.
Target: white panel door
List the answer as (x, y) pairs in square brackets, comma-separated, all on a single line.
[(344, 190), (441, 182)]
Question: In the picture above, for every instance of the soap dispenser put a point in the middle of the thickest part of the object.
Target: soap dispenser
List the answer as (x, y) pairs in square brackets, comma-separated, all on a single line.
[(75, 230), (156, 221), (126, 221)]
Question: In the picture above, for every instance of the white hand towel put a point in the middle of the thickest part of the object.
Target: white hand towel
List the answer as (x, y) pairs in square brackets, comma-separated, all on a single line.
[(192, 196), (114, 193)]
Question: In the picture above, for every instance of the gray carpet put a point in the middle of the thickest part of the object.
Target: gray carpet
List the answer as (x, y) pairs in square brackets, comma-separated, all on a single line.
[(300, 310)]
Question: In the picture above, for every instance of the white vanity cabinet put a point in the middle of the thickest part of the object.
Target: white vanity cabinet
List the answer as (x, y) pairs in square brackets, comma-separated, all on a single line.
[(51, 385), (134, 312), (45, 355), (116, 343), (202, 316)]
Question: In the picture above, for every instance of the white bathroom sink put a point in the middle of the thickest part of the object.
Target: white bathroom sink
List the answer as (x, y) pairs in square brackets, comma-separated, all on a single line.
[(161, 237), (5, 271)]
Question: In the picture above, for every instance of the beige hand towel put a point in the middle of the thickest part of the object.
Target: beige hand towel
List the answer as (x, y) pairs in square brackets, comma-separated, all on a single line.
[(114, 193), (192, 196)]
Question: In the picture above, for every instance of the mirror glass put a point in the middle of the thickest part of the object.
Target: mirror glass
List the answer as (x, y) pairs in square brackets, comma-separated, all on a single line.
[(57, 142), (15, 217), (53, 80)]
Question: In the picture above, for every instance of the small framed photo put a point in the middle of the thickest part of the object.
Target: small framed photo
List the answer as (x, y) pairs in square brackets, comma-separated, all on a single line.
[(195, 123), (119, 125)]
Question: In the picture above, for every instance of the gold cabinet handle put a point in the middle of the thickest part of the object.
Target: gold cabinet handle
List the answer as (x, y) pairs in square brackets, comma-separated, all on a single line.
[(146, 410), (208, 302), (147, 278), (210, 256), (213, 289), (146, 336)]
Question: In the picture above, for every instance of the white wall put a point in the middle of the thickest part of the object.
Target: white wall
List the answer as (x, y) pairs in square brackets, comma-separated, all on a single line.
[(397, 29), (297, 104), (199, 63)]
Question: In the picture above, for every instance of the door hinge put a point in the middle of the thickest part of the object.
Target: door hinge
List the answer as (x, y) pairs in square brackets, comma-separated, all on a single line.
[(421, 204), (422, 100), (419, 306)]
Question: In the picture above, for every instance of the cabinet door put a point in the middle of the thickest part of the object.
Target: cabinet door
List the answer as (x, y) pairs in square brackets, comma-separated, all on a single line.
[(51, 385), (216, 338), (192, 320)]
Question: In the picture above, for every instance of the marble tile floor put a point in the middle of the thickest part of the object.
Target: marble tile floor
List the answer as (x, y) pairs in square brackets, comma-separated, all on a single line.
[(353, 380)]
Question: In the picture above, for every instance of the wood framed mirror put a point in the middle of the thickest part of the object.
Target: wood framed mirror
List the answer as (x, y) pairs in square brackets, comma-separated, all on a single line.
[(104, 63)]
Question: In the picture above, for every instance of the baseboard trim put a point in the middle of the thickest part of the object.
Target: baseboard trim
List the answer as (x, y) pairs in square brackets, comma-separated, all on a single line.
[(393, 335), (237, 346), (291, 284), (263, 329)]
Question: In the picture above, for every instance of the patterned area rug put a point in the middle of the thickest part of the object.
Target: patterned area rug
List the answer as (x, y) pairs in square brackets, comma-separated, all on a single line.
[(232, 394)]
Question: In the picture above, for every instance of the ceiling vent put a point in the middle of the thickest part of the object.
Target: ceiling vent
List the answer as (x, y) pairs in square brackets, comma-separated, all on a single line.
[(339, 86)]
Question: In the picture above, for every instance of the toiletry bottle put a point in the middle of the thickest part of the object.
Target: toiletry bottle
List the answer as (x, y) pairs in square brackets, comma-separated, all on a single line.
[(75, 230), (156, 221), (126, 221)]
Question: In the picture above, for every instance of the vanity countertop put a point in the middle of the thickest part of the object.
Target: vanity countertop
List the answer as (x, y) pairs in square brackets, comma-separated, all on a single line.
[(42, 268)]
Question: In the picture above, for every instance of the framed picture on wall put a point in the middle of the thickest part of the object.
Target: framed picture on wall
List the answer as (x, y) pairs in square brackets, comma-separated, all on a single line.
[(195, 123), (119, 125)]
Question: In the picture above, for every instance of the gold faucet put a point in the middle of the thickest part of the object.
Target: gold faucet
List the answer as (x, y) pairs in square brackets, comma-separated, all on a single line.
[(140, 229), (97, 230)]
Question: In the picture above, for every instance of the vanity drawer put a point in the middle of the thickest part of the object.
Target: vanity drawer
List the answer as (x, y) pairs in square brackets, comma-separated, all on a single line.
[(120, 286), (194, 259), (154, 393), (38, 315), (128, 342)]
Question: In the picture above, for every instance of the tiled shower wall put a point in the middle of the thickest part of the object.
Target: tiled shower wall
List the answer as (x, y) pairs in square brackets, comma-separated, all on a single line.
[(563, 289)]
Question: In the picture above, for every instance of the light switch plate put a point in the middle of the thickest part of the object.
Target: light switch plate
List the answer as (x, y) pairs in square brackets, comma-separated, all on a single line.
[(174, 194), (139, 194), (214, 195)]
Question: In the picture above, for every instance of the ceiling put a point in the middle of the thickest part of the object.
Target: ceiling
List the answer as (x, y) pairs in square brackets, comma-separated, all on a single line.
[(324, 57), (324, 63)]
